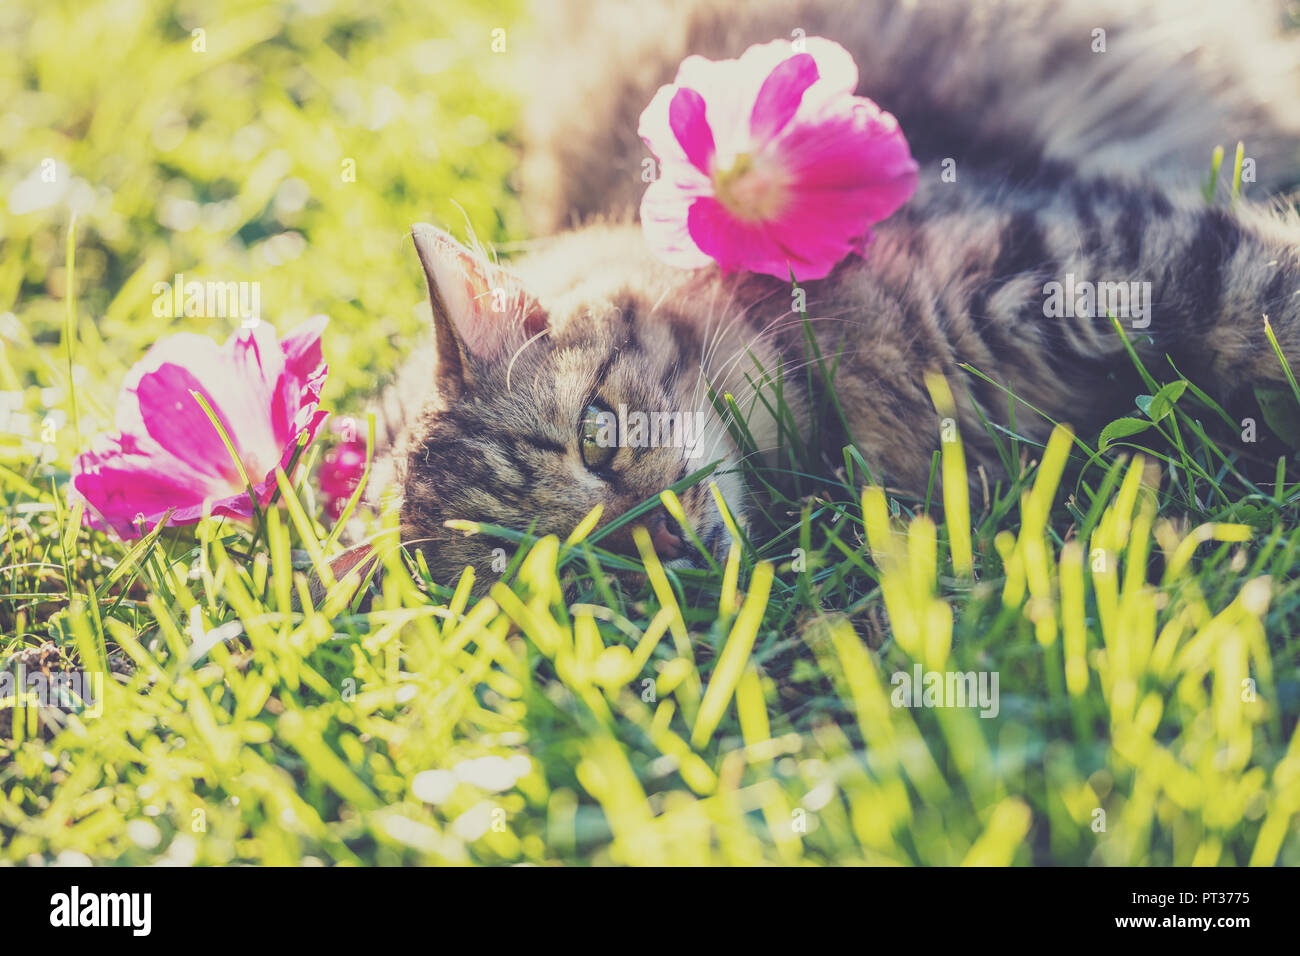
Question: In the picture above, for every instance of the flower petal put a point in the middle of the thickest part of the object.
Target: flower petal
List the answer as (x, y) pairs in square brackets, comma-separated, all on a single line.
[(251, 364), (304, 375), (176, 421), (342, 468), (854, 163), (686, 116), (118, 483), (728, 91), (779, 97), (801, 166), (664, 210), (302, 351), (237, 379), (735, 244), (169, 455), (656, 130), (836, 71)]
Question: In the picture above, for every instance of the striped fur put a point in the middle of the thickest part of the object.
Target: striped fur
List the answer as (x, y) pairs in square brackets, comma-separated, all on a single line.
[(1069, 163)]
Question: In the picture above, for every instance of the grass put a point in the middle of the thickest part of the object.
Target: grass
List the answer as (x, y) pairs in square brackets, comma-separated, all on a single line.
[(1135, 591)]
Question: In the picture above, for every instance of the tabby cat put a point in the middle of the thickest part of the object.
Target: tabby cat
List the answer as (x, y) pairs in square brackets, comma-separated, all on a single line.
[(1054, 140)]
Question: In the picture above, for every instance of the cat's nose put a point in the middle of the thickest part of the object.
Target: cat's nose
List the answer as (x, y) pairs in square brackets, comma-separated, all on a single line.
[(665, 535)]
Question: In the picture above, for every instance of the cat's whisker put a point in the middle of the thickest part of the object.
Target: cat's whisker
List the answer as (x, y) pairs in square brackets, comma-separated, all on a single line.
[(771, 329), (751, 390), (725, 324), (712, 340), (663, 296), (511, 365), (710, 350)]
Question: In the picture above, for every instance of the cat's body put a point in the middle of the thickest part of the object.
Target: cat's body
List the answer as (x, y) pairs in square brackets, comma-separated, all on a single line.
[(1072, 165)]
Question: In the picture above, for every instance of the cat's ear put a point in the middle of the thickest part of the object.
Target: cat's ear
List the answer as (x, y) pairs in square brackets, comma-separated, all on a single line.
[(481, 311)]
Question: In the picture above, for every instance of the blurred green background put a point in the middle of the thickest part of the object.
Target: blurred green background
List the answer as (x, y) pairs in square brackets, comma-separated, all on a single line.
[(290, 144)]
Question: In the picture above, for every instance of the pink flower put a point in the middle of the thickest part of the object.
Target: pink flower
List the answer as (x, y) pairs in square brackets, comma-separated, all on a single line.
[(168, 454), (342, 467), (769, 163)]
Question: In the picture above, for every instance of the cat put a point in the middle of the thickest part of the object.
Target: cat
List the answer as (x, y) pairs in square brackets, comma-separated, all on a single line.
[(1074, 138)]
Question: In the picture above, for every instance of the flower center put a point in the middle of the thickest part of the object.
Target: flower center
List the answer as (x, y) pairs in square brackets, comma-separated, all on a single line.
[(751, 190)]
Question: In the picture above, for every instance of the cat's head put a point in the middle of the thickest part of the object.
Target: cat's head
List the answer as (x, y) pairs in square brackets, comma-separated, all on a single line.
[(538, 412)]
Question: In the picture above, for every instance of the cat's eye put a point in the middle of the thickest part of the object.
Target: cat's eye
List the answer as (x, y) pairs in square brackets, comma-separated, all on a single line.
[(598, 436)]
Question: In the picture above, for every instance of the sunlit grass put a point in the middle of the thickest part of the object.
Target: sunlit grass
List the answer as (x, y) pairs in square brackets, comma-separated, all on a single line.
[(1135, 592)]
